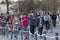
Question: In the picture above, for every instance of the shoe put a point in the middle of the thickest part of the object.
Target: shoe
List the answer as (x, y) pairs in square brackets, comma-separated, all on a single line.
[(32, 35), (40, 36)]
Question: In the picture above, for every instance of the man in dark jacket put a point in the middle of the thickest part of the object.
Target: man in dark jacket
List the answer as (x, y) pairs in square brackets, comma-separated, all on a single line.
[(32, 25), (54, 17), (41, 24)]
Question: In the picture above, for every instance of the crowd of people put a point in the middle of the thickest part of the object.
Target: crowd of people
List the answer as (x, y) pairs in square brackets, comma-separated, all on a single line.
[(28, 22)]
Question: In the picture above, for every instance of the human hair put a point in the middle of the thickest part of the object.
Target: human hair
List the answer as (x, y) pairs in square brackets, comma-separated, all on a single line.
[(25, 14)]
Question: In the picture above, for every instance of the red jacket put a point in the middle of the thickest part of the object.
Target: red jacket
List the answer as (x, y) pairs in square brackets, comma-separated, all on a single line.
[(11, 20), (25, 21)]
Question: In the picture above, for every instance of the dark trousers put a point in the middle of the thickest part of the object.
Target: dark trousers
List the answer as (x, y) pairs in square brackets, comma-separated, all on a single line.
[(40, 29), (32, 28), (47, 26), (54, 23)]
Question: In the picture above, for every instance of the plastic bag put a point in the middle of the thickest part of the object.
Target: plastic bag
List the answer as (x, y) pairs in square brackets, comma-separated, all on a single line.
[(57, 20)]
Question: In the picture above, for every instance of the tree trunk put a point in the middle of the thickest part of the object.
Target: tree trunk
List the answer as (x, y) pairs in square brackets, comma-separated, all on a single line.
[(7, 3)]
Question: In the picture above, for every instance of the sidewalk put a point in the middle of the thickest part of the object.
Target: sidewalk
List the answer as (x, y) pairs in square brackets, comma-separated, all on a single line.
[(49, 34)]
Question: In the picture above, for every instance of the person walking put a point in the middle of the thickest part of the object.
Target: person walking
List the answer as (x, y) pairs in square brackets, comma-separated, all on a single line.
[(25, 26), (47, 20), (54, 17), (32, 25), (41, 25), (11, 20), (16, 22), (37, 20)]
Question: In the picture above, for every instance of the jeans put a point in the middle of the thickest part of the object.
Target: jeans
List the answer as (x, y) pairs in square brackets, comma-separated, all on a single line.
[(54, 23), (25, 28), (17, 26), (32, 28), (47, 25), (40, 30), (16, 34)]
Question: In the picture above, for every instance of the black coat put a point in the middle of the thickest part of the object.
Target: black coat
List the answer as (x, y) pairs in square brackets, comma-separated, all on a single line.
[(53, 17)]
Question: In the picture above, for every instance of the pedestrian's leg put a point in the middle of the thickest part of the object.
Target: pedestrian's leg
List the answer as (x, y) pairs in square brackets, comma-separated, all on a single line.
[(15, 35), (41, 30), (46, 25), (4, 33), (54, 23), (26, 33), (11, 35), (21, 35), (31, 27), (11, 31), (7, 32)]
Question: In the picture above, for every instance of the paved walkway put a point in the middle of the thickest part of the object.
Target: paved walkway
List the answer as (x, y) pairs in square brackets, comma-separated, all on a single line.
[(49, 34)]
